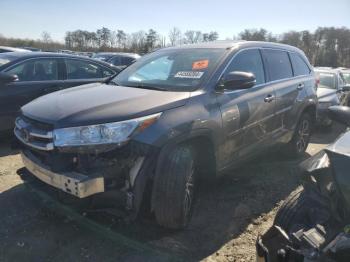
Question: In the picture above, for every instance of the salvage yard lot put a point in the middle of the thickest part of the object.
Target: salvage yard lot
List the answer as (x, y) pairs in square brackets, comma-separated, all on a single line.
[(227, 218)]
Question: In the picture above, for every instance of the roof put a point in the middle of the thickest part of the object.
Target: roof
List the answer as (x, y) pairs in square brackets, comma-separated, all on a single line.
[(239, 44), (118, 53), (27, 55), (40, 54), (14, 49), (327, 69)]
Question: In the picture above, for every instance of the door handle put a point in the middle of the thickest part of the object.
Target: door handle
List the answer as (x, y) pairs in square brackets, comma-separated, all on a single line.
[(300, 86), (269, 98)]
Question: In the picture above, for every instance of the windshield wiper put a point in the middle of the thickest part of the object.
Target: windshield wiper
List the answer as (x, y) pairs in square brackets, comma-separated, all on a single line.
[(112, 83), (148, 87)]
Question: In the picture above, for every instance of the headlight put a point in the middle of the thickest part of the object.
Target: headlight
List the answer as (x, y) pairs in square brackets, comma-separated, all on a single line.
[(324, 105), (109, 133)]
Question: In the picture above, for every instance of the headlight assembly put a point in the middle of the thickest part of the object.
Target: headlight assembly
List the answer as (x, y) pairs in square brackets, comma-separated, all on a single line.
[(109, 133)]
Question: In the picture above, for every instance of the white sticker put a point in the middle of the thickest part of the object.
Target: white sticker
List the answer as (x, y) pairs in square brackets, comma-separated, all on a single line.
[(189, 74)]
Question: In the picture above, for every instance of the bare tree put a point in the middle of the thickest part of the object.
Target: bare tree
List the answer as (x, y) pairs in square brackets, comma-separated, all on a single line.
[(46, 37), (175, 36), (192, 36)]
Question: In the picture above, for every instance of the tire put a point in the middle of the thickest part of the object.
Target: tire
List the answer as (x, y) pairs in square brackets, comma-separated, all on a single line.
[(292, 211), (301, 138), (174, 188)]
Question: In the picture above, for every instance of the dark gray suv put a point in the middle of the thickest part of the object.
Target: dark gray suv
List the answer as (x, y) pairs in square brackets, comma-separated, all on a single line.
[(174, 116)]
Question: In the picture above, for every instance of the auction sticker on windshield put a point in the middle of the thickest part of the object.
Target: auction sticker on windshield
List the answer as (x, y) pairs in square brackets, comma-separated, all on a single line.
[(202, 64), (189, 74)]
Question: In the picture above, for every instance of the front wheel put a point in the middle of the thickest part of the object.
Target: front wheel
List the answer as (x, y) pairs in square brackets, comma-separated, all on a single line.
[(174, 188), (300, 141)]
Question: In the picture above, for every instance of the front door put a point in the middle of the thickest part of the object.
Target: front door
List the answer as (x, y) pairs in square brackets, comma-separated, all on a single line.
[(36, 77), (247, 114)]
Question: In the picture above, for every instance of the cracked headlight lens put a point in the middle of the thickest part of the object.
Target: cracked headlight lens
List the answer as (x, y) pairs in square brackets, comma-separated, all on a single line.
[(109, 133)]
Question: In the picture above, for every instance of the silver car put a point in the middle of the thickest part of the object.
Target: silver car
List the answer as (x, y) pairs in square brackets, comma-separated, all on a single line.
[(332, 90)]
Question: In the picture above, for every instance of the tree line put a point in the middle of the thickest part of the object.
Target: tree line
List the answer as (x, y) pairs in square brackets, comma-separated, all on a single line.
[(326, 46), (140, 41)]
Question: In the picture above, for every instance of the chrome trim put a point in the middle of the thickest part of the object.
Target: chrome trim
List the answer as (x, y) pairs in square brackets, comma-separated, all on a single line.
[(36, 145), (72, 183), (33, 131)]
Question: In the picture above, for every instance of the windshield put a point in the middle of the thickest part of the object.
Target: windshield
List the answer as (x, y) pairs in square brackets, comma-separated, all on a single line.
[(5, 58), (347, 77), (171, 70), (327, 80)]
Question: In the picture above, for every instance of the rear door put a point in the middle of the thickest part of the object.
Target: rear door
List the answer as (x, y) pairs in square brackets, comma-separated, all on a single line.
[(80, 72), (247, 114), (289, 89), (36, 77)]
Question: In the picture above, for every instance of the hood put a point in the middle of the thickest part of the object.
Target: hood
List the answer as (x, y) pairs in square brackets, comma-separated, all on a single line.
[(100, 103), (326, 94)]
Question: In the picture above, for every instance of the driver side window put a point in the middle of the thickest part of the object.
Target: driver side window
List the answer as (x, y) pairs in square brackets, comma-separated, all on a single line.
[(248, 61), (36, 70)]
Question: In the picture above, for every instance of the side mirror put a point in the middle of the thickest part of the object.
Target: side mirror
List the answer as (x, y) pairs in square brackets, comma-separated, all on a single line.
[(7, 78), (238, 80), (340, 114)]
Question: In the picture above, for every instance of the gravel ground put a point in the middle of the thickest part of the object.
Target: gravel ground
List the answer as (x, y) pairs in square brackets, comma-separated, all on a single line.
[(228, 217)]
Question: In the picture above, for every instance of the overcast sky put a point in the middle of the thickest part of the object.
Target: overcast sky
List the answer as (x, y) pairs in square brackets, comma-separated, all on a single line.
[(29, 18)]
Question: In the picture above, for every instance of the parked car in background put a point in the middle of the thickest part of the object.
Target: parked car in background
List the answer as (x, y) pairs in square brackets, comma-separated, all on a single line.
[(118, 59), (25, 76), (173, 117), (332, 90), (33, 49), (7, 49), (346, 74)]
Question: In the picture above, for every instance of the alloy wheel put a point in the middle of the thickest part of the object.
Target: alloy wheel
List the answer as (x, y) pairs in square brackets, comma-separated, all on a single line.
[(303, 135)]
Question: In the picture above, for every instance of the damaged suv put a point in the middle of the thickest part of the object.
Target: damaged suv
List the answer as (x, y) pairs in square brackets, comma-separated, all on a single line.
[(173, 117)]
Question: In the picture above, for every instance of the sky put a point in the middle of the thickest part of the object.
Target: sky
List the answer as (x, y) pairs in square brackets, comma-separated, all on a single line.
[(29, 18)]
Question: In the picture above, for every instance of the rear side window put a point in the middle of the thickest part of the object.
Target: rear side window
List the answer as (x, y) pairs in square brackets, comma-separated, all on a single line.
[(278, 63), (299, 65), (78, 69), (115, 61), (127, 60), (248, 61), (36, 70)]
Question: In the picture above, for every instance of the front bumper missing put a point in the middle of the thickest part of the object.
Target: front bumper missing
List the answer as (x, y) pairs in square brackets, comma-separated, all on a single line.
[(73, 183)]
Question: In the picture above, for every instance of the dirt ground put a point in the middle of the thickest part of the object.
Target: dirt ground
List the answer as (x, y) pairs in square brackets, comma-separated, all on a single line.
[(227, 219)]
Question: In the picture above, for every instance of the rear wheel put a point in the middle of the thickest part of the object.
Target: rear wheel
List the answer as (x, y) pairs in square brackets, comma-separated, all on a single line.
[(174, 188), (300, 141)]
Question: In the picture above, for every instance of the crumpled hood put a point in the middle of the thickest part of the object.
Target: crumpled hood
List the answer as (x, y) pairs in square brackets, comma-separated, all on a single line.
[(326, 94), (100, 103)]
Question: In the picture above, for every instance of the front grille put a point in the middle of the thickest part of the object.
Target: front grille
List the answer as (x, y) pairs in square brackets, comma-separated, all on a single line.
[(34, 134)]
